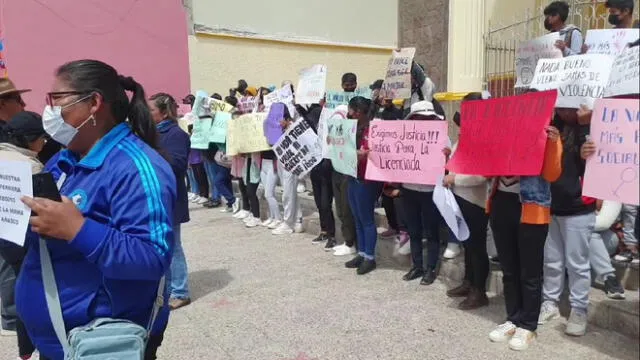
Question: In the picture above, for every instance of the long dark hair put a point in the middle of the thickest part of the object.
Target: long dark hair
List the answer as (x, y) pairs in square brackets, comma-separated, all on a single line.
[(363, 105), (166, 104), (94, 75)]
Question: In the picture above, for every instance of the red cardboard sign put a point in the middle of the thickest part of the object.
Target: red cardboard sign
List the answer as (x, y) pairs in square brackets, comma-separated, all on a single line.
[(504, 136)]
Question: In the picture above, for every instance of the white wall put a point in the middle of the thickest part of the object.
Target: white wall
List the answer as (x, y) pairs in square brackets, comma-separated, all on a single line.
[(354, 22)]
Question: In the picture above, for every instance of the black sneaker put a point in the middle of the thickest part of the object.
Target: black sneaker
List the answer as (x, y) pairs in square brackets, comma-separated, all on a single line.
[(354, 263), (331, 243), (366, 267), (413, 274), (613, 289), (212, 204), (319, 239), (429, 277)]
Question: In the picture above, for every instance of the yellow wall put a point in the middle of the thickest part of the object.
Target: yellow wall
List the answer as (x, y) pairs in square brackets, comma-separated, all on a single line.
[(217, 62)]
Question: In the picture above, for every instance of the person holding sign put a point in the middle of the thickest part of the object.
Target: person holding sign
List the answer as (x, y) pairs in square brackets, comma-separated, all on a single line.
[(555, 15), (363, 193), (620, 13), (422, 88)]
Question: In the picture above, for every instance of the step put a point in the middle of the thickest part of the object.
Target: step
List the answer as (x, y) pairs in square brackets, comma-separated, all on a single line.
[(622, 316)]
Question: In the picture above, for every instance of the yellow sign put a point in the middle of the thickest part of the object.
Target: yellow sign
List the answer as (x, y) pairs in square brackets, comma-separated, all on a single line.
[(245, 134)]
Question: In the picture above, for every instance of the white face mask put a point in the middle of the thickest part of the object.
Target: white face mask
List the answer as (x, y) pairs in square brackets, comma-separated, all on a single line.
[(57, 128)]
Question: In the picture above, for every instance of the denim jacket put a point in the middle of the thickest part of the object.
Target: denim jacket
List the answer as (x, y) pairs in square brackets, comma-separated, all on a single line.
[(535, 190)]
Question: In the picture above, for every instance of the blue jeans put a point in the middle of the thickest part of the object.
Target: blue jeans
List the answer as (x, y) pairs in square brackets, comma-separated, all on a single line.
[(193, 184), (178, 275), (210, 167), (421, 213), (223, 183), (362, 200)]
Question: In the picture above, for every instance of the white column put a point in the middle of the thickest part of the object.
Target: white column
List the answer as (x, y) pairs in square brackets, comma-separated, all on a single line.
[(467, 21)]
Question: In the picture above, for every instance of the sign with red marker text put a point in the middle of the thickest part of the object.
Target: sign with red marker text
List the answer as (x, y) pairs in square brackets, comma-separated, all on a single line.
[(407, 151), (397, 82), (312, 85), (612, 173), (298, 149), (610, 41), (505, 136)]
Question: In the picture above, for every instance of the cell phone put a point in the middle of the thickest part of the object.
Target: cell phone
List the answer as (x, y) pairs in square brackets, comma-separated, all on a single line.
[(45, 187)]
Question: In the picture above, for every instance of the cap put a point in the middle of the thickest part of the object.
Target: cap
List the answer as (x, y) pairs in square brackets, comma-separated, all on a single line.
[(8, 87), (377, 85), (424, 108), (26, 123)]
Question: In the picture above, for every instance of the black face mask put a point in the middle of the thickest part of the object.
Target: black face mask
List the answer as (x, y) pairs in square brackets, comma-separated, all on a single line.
[(547, 24), (456, 118), (614, 20)]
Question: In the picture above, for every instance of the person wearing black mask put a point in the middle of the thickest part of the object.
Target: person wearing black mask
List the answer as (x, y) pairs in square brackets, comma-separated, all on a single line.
[(386, 111), (555, 16), (620, 13)]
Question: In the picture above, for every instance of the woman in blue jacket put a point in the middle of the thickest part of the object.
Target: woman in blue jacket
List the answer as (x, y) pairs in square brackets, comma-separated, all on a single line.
[(111, 238)]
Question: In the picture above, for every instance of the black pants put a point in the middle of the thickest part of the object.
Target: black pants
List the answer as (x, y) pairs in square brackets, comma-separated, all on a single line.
[(340, 184), (323, 196), (422, 214), (521, 252), (391, 213), (14, 255), (254, 203), (476, 259), (201, 178), (243, 193)]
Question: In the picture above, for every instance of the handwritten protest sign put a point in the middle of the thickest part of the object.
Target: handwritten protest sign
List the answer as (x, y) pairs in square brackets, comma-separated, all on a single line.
[(247, 104), (341, 141), (312, 85), (323, 126), (283, 95), (245, 134), (200, 134), (579, 79), (15, 182), (199, 108), (529, 52), (397, 82), (610, 41), (272, 127), (612, 173), (218, 130), (504, 136), (336, 98), (215, 105), (298, 149), (407, 151), (625, 75)]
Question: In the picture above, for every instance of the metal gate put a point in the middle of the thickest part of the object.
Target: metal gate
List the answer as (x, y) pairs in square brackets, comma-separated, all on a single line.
[(501, 40)]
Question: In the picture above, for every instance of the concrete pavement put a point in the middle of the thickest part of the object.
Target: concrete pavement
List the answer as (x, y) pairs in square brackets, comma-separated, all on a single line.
[(258, 296)]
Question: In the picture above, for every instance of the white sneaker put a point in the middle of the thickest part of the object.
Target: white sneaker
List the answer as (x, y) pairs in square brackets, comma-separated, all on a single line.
[(344, 250), (252, 222), (242, 214), (521, 339), (191, 196), (248, 218), (202, 200), (298, 228), (301, 188), (274, 224), (226, 209), (503, 332), (236, 206), (282, 229), (577, 324), (453, 250), (267, 222), (548, 312)]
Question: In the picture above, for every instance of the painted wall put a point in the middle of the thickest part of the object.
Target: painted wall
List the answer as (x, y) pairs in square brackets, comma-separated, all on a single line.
[(217, 62)]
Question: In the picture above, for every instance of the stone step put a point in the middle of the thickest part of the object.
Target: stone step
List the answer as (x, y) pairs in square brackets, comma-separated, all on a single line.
[(621, 316)]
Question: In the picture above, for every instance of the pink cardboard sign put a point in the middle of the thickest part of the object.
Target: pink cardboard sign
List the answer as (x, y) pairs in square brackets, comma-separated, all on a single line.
[(144, 39), (407, 151), (612, 173)]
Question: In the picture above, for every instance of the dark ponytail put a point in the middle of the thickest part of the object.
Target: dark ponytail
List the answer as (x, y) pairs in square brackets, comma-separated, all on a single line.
[(95, 76)]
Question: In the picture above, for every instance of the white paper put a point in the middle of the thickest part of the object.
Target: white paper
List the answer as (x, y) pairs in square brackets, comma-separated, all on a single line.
[(298, 150), (529, 52), (446, 203), (625, 75), (610, 41), (283, 95), (397, 81), (579, 79), (15, 182), (312, 85)]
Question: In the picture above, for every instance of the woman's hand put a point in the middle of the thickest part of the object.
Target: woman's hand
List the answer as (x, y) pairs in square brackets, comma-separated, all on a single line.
[(447, 152), (60, 220), (587, 149), (584, 115), (553, 133), (561, 45), (449, 180), (362, 153)]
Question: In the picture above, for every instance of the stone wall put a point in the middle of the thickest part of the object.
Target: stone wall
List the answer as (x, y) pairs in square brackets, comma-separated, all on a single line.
[(424, 24)]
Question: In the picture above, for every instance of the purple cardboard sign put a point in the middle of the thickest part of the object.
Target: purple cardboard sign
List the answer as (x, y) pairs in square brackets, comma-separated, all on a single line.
[(272, 129)]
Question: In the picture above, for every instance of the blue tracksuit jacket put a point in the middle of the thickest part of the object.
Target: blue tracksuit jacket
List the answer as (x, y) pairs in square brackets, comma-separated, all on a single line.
[(126, 192)]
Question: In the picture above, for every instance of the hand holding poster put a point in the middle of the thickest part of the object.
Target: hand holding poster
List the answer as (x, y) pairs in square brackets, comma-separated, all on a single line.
[(218, 131), (298, 149), (245, 134), (504, 136), (407, 151), (323, 127), (610, 41), (15, 182), (579, 79), (397, 82), (612, 173), (529, 52), (312, 85), (283, 95), (625, 75), (341, 140), (272, 127), (337, 98)]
